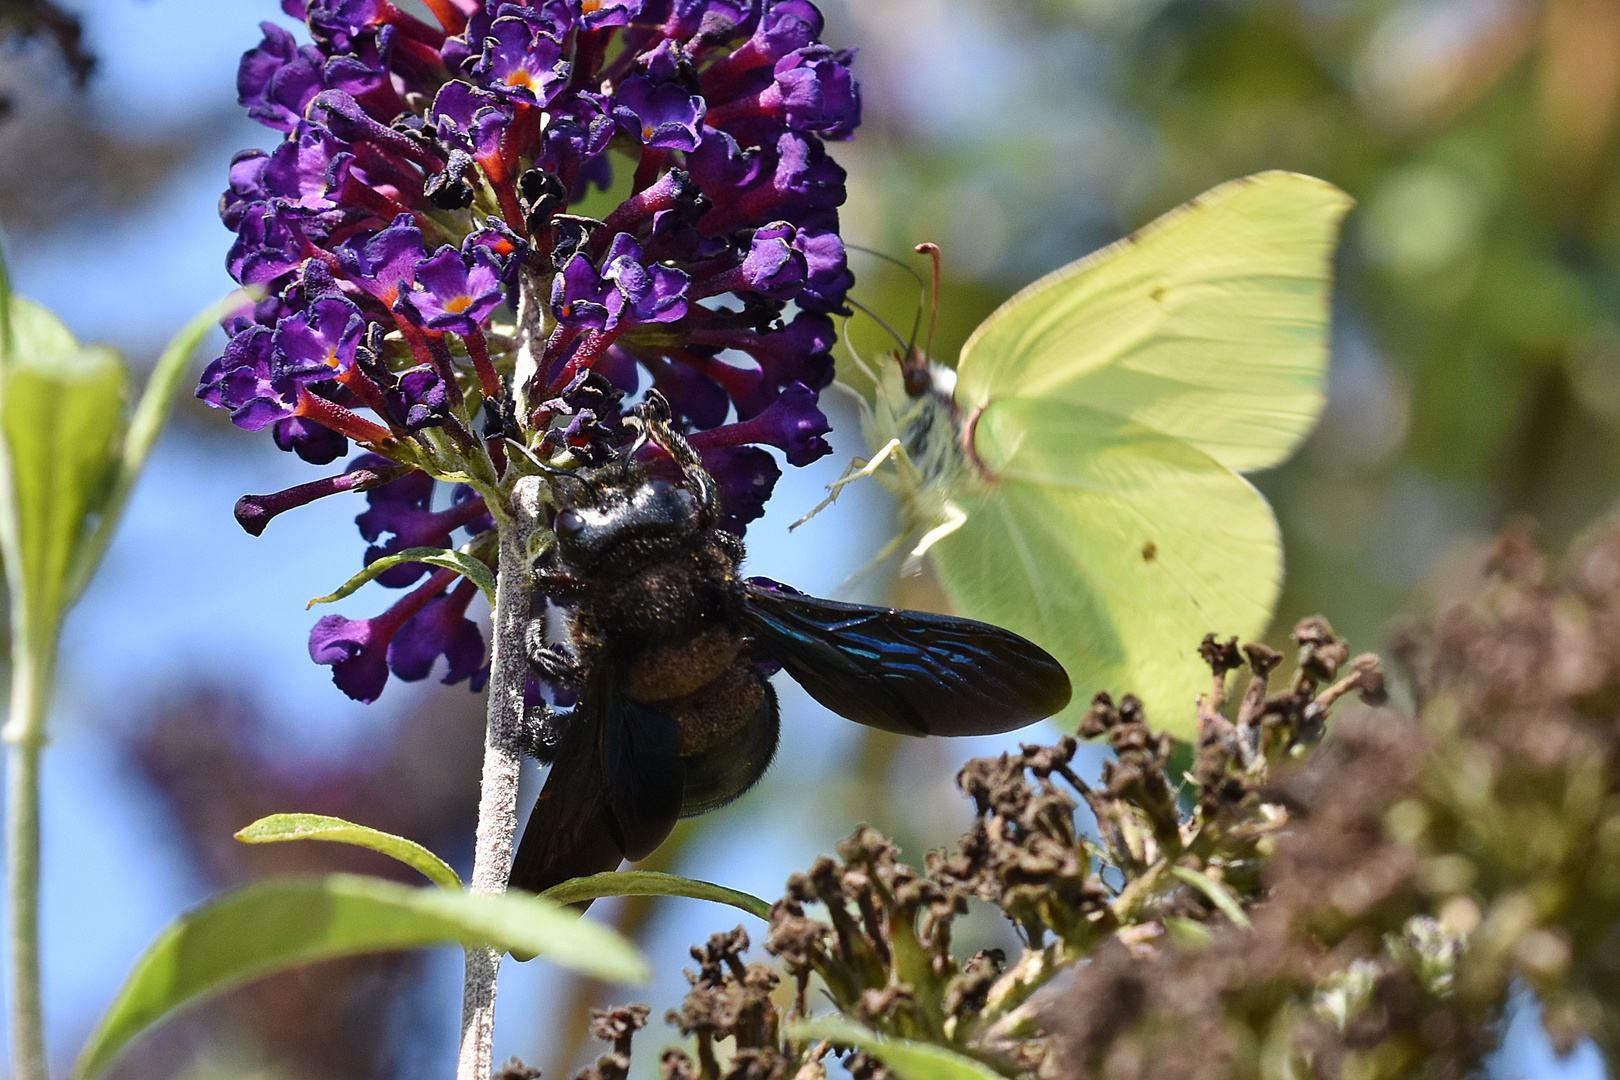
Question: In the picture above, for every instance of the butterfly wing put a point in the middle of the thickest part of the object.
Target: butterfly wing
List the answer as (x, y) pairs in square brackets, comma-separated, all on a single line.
[(1115, 547), (613, 793), (906, 671), (1208, 325), (1110, 406)]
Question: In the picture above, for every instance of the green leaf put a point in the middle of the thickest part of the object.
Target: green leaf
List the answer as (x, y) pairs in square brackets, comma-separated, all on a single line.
[(285, 922), (279, 827), (61, 418), (168, 375), (649, 883), (467, 566), (906, 1059)]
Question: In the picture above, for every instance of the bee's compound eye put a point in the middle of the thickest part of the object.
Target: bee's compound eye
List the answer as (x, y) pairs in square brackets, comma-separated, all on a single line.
[(569, 523)]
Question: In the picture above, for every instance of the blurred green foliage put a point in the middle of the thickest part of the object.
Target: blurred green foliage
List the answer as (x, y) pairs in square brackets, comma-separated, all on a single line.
[(1477, 358)]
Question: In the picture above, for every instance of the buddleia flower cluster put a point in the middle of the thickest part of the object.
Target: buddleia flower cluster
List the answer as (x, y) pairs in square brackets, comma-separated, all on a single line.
[(481, 234)]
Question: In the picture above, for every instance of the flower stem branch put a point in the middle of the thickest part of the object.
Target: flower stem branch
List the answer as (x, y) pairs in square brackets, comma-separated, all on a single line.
[(497, 804), (33, 667)]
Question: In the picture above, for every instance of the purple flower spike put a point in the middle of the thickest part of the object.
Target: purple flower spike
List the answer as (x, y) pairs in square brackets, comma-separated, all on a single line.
[(454, 297), (522, 60), (441, 628), (429, 169), (659, 115)]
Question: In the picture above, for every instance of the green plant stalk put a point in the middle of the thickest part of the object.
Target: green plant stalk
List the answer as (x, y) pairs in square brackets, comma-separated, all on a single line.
[(32, 672)]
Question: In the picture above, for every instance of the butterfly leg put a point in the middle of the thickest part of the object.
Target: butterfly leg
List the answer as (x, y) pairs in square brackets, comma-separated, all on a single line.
[(856, 471), (955, 518)]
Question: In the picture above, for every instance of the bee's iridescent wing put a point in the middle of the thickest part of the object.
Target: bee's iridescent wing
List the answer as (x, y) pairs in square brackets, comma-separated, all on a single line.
[(906, 671), (614, 792)]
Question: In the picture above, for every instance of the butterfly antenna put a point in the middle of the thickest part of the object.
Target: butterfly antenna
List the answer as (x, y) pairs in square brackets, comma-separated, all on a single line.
[(875, 317), (932, 251), (922, 296)]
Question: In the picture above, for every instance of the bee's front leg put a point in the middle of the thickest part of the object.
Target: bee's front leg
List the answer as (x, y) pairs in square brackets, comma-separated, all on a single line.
[(541, 732), (554, 662)]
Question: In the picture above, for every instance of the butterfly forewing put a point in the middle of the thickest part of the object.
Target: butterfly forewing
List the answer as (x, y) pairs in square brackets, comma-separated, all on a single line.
[(1208, 325), (907, 671)]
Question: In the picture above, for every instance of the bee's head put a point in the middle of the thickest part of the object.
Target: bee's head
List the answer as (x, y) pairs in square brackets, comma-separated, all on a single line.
[(624, 515)]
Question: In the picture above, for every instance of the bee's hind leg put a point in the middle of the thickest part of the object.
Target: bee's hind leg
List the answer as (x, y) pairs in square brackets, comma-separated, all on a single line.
[(857, 470)]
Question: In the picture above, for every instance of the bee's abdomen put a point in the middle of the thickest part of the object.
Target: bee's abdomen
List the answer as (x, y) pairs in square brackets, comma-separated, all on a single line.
[(675, 671), (719, 709)]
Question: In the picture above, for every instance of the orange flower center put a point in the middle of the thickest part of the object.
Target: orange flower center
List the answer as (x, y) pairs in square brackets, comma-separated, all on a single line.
[(459, 304)]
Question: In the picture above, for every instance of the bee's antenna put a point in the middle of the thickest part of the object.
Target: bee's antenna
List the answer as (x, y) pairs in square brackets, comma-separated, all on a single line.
[(656, 416), (932, 251)]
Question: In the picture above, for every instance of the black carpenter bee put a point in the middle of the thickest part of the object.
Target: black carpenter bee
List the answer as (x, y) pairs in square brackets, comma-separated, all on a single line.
[(669, 651)]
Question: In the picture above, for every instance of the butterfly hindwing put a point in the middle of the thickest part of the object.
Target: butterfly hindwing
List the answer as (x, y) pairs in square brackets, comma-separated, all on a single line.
[(1116, 547)]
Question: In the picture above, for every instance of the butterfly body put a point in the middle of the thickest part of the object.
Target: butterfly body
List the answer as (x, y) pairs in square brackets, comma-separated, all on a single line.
[(1077, 477)]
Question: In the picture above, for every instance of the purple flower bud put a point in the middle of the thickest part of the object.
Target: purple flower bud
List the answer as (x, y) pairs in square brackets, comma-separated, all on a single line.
[(277, 79), (747, 475), (312, 442), (357, 650), (816, 92), (773, 268), (659, 115), (268, 247), (792, 424), (418, 398), (441, 628), (828, 279), (246, 187)]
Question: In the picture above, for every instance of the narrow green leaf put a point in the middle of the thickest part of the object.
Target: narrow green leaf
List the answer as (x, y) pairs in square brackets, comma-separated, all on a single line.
[(470, 568), (285, 922), (649, 883), (61, 418), (278, 827), (906, 1059), (5, 302), (157, 401), (1218, 894)]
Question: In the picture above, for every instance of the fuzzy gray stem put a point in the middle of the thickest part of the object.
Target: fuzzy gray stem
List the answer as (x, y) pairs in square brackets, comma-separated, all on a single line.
[(497, 804)]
